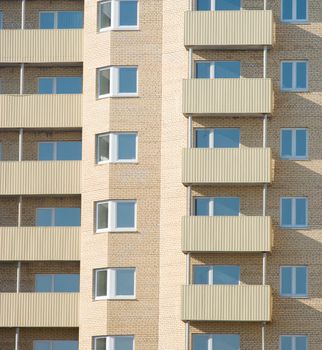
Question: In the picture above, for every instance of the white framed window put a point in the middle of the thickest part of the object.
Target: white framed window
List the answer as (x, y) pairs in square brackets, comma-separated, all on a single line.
[(294, 281), (61, 19), (294, 76), (116, 215), (294, 342), (115, 283), (1, 152), (216, 274), (217, 138), (294, 143), (116, 147), (121, 81), (57, 283), (1, 20), (217, 69), (60, 85), (217, 206), (294, 212), (58, 216), (118, 15), (119, 342), (218, 5), (55, 345), (60, 150), (215, 342), (294, 11)]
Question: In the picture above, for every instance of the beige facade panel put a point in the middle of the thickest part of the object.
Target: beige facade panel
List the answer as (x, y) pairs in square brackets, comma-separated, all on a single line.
[(39, 309), (41, 46), (245, 96), (41, 111), (227, 165), (40, 177), (228, 29), (39, 243), (241, 303), (227, 234)]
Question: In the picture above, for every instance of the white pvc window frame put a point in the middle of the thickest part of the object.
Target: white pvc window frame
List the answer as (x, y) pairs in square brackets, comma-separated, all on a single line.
[(293, 213), (293, 155), (211, 272), (213, 67), (211, 205), (110, 341), (51, 342), (294, 19), (53, 277), (211, 336), (293, 294), (54, 80), (293, 340), (211, 139), (294, 76), (55, 13)]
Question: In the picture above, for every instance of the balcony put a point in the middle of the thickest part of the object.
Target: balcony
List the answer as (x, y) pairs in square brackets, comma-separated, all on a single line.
[(41, 111), (228, 29), (227, 166), (243, 303), (40, 177), (39, 309), (39, 243), (41, 46), (234, 97), (218, 234)]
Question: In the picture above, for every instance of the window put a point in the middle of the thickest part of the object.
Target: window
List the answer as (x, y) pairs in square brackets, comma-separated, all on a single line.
[(57, 283), (294, 144), (60, 85), (218, 206), (116, 147), (114, 343), (60, 150), (61, 19), (217, 138), (218, 5), (1, 152), (217, 69), (294, 212), (294, 76), (118, 14), (216, 274), (115, 283), (215, 342), (294, 281), (58, 217), (293, 342), (294, 10), (117, 81), (116, 216), (1, 20), (55, 345)]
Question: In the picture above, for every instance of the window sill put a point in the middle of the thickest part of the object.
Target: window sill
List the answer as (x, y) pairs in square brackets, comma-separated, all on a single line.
[(294, 158), (295, 227), (118, 162), (118, 96), (115, 299), (117, 231), (119, 29), (303, 91), (306, 22), (294, 297)]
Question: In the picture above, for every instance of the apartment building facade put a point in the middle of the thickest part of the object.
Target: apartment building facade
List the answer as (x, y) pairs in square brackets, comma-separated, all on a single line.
[(160, 174)]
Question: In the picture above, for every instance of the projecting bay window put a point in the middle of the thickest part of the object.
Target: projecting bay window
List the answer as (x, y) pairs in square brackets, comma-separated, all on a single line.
[(57, 283), (218, 5), (215, 342), (55, 345), (120, 342), (216, 274), (60, 150), (217, 69), (58, 216), (217, 138), (217, 206), (61, 19), (60, 85)]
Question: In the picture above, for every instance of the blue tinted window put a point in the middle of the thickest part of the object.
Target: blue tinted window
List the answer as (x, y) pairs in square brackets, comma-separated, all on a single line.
[(287, 75), (105, 13), (286, 212), (227, 138), (1, 20), (203, 5), (226, 274), (200, 342), (286, 143), (226, 342), (202, 206), (46, 151), (227, 206), (227, 69), (70, 20), (301, 9), (128, 13), (67, 216), (287, 9), (125, 215), (46, 86), (123, 343), (66, 283), (294, 143), (46, 20), (301, 142), (44, 217), (69, 85), (125, 282), (227, 5), (202, 138), (42, 345), (301, 75), (203, 70), (69, 150), (300, 212), (126, 146), (44, 283), (201, 274), (301, 287), (301, 343), (286, 280), (128, 80), (65, 345)]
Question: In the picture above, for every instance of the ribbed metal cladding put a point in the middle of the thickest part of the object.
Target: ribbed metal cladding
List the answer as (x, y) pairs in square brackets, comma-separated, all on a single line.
[(227, 165), (41, 111), (233, 29), (244, 303), (227, 234), (40, 46), (40, 177), (244, 96), (39, 309), (39, 243)]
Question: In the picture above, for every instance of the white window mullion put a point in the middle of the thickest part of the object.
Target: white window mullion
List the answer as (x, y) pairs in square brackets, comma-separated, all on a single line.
[(211, 207), (55, 145), (212, 138), (294, 10), (293, 280), (115, 12), (293, 206), (293, 343), (110, 343), (293, 136), (294, 75), (110, 214), (53, 212), (210, 342), (212, 70), (213, 5), (114, 81), (113, 147), (211, 275)]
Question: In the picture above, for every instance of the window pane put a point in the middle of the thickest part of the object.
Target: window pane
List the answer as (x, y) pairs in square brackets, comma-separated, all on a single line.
[(101, 283), (226, 342), (201, 274), (1, 20), (103, 148), (66, 283), (301, 343), (287, 9), (100, 344), (126, 146), (46, 20), (70, 19), (123, 343), (65, 345), (286, 343), (287, 75), (227, 69), (45, 86), (67, 217), (203, 70), (286, 143), (227, 206), (200, 341), (301, 287), (125, 282), (286, 280), (45, 151), (301, 12), (43, 284), (226, 274), (202, 138), (104, 82), (102, 216), (42, 345), (286, 212), (227, 5), (127, 80), (301, 141), (227, 138), (105, 14), (301, 82), (128, 13), (300, 211), (203, 5), (44, 217), (69, 85), (69, 150), (202, 206), (125, 215)]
